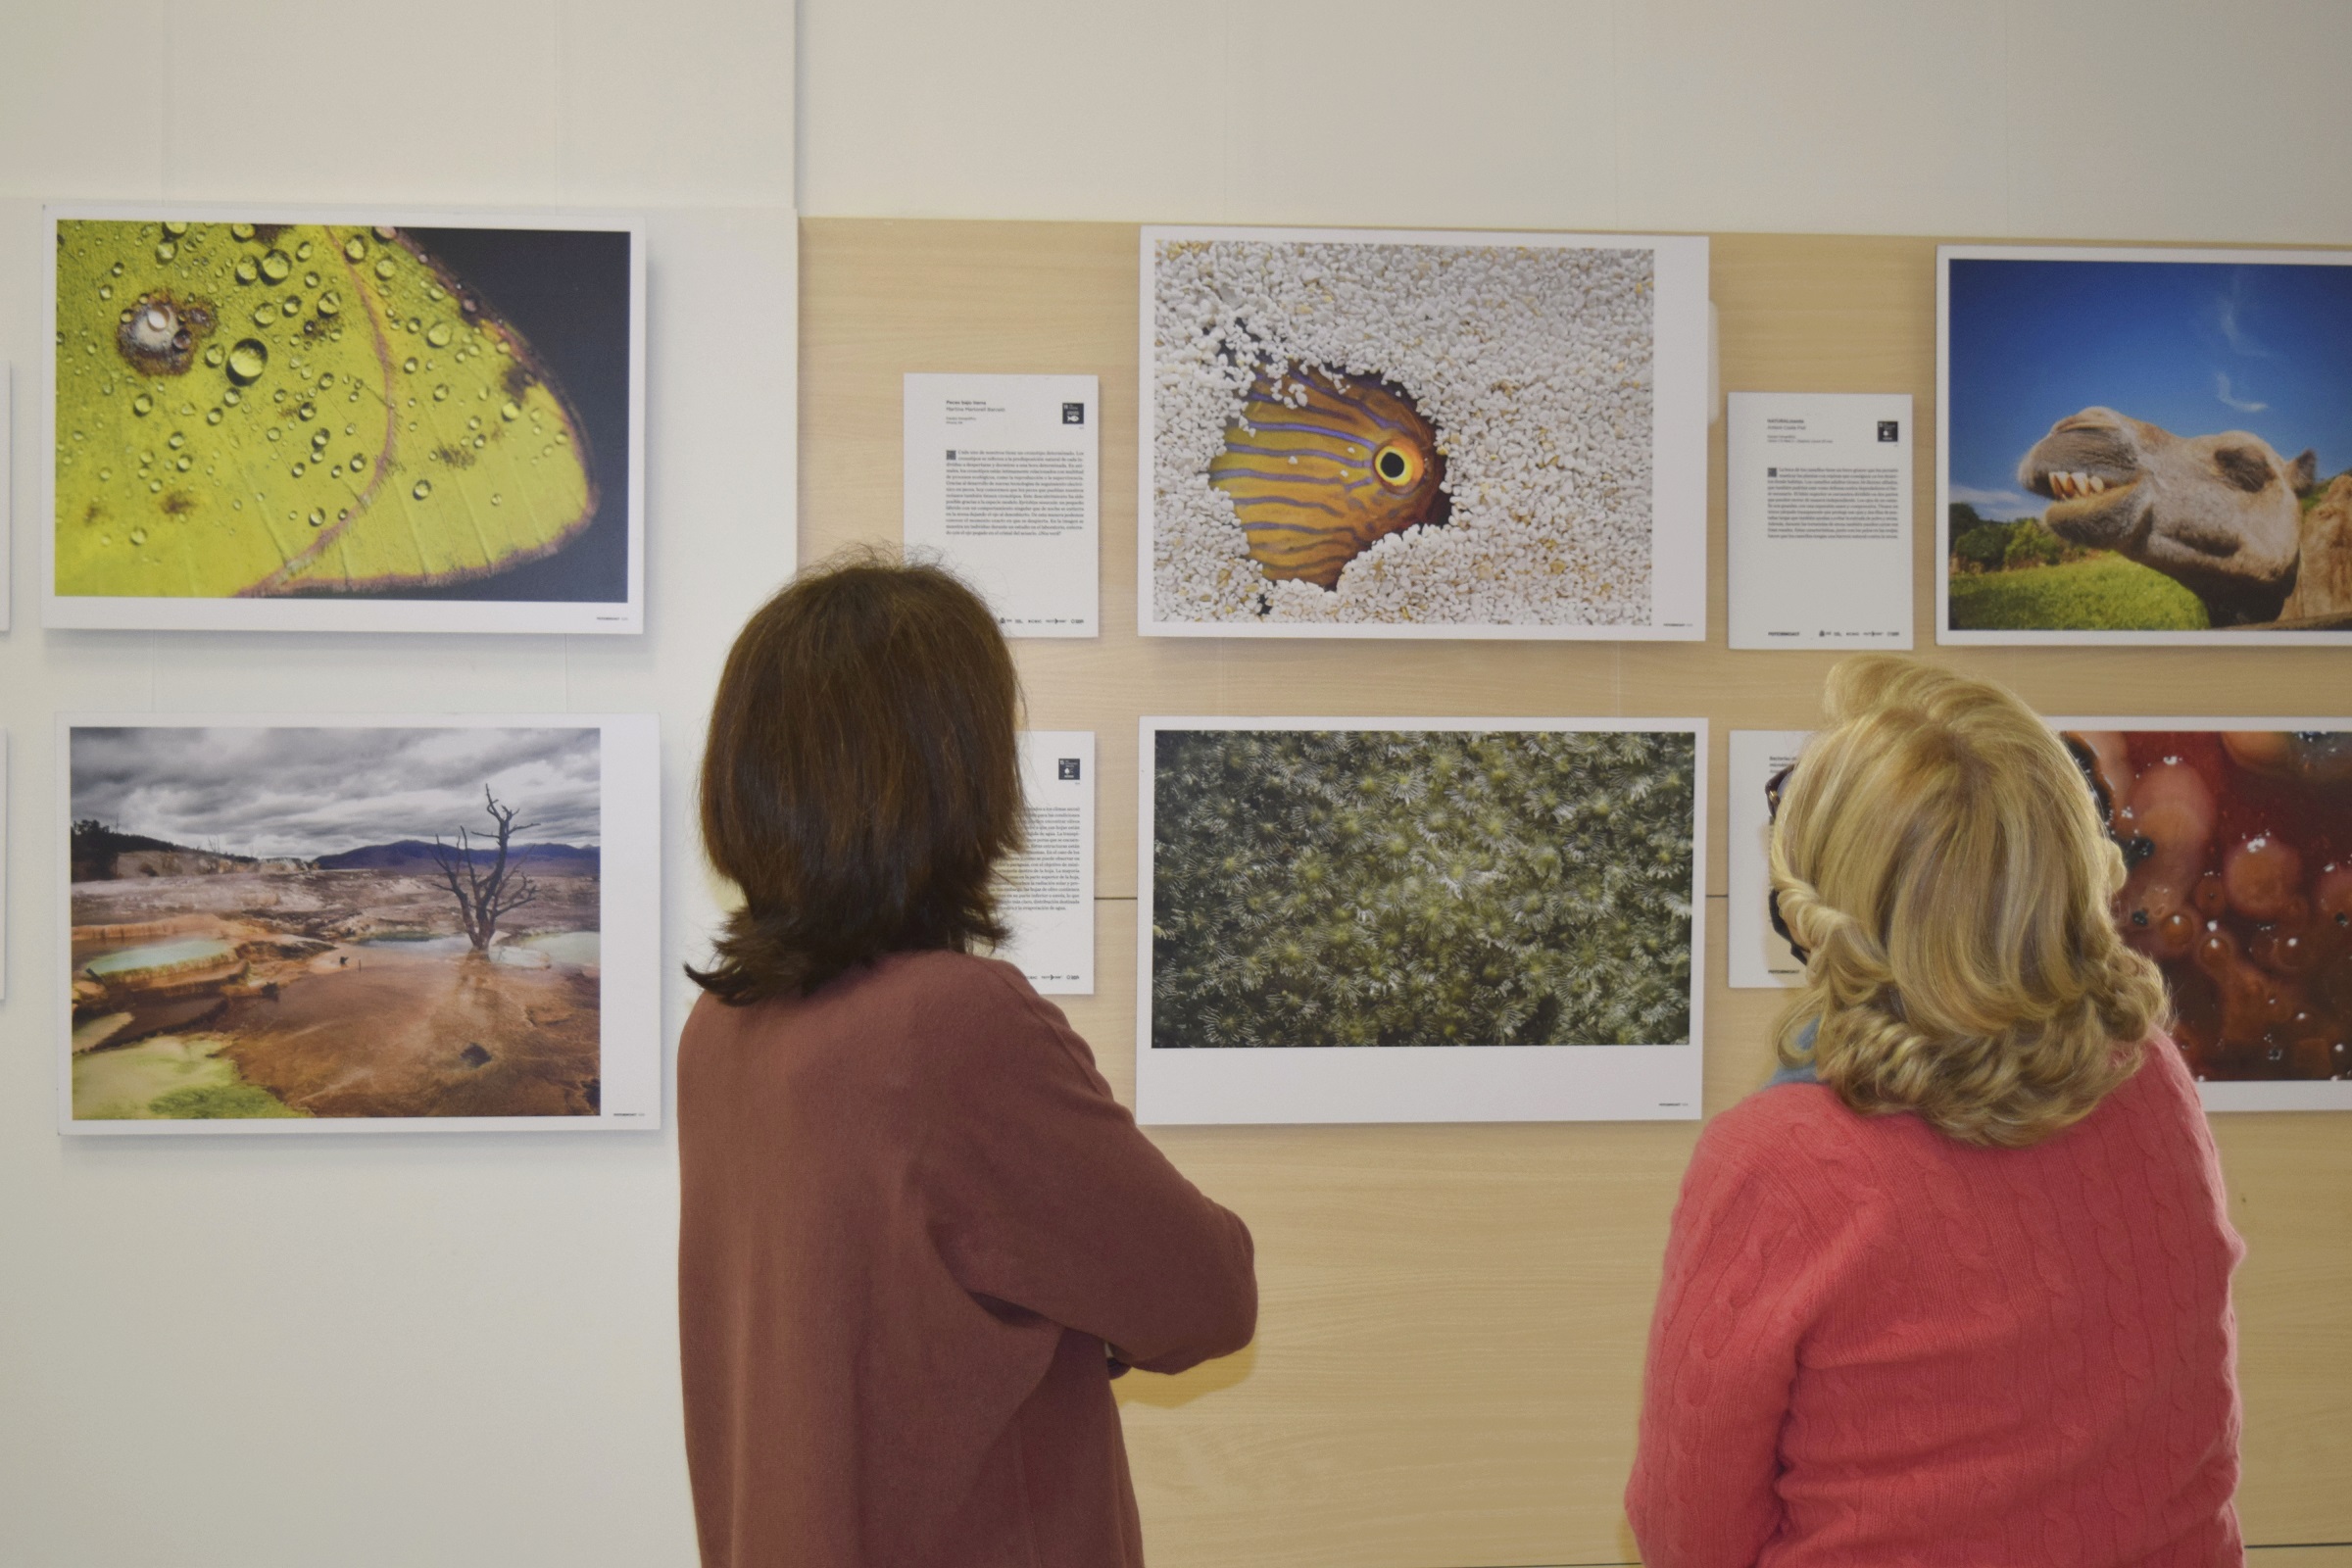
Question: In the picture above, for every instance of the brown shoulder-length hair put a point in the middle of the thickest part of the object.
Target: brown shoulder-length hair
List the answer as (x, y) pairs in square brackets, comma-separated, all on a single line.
[(861, 778)]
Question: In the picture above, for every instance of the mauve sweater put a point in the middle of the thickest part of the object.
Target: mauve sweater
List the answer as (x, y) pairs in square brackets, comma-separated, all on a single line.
[(1876, 1344), (913, 1218)]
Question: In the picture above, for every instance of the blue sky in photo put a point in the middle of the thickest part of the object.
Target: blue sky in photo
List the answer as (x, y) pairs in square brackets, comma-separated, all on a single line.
[(2196, 347)]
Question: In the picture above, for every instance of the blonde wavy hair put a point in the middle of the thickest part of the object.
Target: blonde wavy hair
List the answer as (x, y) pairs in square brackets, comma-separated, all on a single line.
[(1941, 859)]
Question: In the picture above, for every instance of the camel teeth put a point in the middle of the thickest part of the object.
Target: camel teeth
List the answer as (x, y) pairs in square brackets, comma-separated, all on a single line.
[(2098, 487)]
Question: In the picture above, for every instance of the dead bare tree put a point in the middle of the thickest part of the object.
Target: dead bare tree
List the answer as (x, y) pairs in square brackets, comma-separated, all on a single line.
[(484, 896)]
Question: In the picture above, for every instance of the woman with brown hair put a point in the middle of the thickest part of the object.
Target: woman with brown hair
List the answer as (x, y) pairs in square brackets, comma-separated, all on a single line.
[(918, 1237), (1955, 1287)]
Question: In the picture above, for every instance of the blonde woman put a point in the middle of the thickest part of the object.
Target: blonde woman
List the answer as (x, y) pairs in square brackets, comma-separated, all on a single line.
[(1956, 1287)]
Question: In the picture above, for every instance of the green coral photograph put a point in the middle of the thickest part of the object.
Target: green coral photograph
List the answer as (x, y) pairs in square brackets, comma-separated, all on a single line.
[(1318, 887), (274, 423)]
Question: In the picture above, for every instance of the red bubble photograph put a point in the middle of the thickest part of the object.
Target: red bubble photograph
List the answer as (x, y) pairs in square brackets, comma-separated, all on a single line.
[(2239, 841)]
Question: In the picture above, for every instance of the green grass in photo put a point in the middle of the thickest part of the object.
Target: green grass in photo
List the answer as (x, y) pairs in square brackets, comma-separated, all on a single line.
[(2105, 593), (168, 1077)]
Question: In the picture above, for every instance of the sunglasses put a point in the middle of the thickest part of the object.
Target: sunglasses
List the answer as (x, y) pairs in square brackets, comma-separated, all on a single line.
[(2086, 762), (1773, 788)]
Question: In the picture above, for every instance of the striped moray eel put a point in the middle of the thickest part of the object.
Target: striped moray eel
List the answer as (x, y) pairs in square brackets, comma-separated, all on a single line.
[(1316, 486)]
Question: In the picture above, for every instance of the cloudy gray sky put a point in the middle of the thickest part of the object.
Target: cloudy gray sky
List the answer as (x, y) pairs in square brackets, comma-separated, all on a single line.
[(311, 792)]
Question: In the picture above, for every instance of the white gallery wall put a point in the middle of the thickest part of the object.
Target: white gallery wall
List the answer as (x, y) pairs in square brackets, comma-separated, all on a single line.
[(405, 1349), (460, 1351), (2093, 119)]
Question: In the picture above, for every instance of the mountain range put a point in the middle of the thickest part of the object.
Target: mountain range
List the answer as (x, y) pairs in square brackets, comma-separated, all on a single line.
[(420, 855)]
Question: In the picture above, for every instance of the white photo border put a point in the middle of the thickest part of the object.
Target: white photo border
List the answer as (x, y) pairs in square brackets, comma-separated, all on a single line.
[(1945, 255), (1681, 411), (630, 906), (575, 618), (1419, 1083)]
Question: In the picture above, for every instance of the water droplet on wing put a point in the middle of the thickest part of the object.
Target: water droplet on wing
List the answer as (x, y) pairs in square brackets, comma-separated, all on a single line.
[(247, 361)]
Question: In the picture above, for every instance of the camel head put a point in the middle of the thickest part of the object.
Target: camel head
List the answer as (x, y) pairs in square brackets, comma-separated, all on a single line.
[(2217, 514)]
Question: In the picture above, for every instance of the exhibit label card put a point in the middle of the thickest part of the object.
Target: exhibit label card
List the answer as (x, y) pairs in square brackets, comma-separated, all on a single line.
[(1759, 956), (1820, 496), (1004, 482), (1049, 894)]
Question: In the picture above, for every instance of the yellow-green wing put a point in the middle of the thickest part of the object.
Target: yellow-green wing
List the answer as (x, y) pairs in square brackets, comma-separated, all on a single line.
[(254, 409)]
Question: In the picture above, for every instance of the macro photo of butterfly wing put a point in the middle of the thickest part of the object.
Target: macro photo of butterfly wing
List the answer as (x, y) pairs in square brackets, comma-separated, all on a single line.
[(344, 425)]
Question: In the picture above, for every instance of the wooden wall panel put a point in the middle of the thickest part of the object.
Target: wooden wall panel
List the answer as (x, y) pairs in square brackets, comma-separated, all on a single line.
[(1450, 1355)]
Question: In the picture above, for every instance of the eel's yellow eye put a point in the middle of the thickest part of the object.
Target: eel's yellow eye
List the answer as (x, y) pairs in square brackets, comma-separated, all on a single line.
[(1398, 466)]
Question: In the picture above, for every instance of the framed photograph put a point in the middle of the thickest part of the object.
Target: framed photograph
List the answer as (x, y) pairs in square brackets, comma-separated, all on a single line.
[(1371, 434), (1422, 920), (2143, 446), (2238, 833), (2239, 836), (2, 864), (338, 420), (8, 441), (337, 924)]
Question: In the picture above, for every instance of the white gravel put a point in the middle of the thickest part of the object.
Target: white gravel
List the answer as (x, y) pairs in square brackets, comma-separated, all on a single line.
[(1533, 365)]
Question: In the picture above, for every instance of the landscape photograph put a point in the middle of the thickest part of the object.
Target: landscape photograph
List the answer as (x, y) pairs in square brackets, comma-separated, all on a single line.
[(331, 425), (287, 922), (2146, 446)]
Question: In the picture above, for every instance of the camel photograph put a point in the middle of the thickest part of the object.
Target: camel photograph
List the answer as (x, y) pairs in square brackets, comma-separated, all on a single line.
[(2145, 446)]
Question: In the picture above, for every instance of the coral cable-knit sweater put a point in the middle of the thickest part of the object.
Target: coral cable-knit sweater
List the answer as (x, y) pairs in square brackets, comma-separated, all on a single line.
[(1876, 1344), (913, 1218)]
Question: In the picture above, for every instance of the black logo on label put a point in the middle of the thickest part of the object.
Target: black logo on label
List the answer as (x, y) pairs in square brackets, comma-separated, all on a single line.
[(1890, 429), (1073, 414), (1067, 767)]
